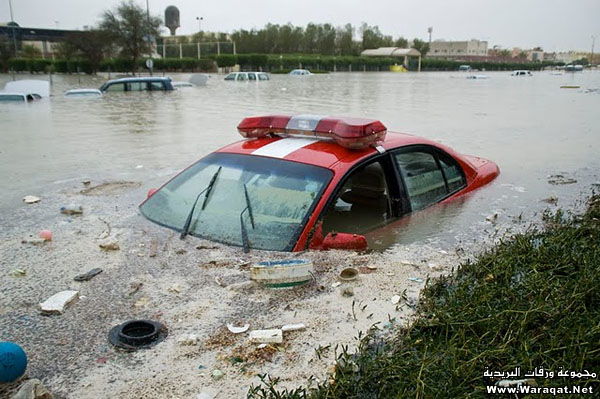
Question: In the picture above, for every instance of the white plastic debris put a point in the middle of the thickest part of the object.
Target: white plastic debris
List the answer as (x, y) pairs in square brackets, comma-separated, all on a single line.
[(30, 199), (57, 303), (188, 339), (238, 330), (336, 284), (274, 336), (395, 299), (293, 327)]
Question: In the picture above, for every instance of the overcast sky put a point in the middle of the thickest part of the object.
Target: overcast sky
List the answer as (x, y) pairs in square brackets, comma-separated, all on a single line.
[(555, 25)]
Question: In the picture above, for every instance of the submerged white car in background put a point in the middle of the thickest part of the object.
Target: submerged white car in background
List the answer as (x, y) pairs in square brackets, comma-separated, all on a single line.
[(247, 76)]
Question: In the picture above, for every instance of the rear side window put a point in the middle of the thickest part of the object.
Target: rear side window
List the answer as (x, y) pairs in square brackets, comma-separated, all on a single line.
[(116, 87), (428, 177), (242, 76), (137, 86), (251, 76), (231, 76), (156, 85), (263, 76)]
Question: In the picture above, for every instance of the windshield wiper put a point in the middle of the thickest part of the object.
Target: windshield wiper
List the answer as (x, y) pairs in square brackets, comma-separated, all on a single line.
[(208, 189), (245, 242)]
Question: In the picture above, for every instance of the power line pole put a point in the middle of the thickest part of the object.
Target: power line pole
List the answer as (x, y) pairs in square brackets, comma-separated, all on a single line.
[(14, 35), (149, 64), (592, 55)]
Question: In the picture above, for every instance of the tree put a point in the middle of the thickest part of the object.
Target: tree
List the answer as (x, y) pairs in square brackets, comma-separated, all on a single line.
[(422, 46), (127, 27), (7, 51), (91, 45), (373, 38), (522, 55), (504, 53), (401, 42), (30, 51)]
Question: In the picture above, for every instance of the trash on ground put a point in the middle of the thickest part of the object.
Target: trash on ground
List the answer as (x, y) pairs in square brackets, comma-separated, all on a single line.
[(89, 275), (348, 274), (274, 336), (33, 241), (86, 182), (570, 87), (293, 327), (219, 282), (46, 235), (560, 180), (134, 287), (552, 200), (372, 267), (395, 299), (241, 286), (336, 284), (188, 339), (33, 389), (71, 210), (282, 273), (492, 218), (175, 288), (347, 291), (110, 245), (13, 362), (217, 374), (137, 334), (18, 273), (237, 330), (57, 303), (153, 249), (415, 279), (31, 199)]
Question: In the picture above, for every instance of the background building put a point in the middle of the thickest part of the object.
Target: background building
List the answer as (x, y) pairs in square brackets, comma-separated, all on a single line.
[(473, 47)]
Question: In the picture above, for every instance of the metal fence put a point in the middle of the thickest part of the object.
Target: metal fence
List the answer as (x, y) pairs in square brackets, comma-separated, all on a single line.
[(195, 50)]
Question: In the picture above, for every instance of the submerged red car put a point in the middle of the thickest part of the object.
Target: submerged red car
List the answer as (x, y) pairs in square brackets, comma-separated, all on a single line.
[(304, 181)]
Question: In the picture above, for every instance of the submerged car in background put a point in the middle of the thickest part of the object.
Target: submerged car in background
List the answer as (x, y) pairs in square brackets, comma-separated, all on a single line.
[(300, 72), (157, 83), (19, 97), (302, 181), (247, 76), (25, 90), (83, 93), (521, 72)]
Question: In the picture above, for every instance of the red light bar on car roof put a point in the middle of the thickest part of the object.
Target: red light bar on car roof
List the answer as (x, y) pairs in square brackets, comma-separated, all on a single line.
[(352, 133)]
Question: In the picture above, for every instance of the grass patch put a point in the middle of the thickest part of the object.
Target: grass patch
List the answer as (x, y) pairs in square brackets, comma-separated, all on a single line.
[(531, 301)]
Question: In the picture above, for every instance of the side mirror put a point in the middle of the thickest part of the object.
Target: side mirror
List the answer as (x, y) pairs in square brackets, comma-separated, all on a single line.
[(151, 192), (349, 241)]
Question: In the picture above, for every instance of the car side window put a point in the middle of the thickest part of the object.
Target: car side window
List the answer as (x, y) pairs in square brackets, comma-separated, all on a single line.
[(156, 86), (242, 76), (136, 86), (361, 204), (423, 178), (231, 76), (116, 87), (251, 76), (263, 76), (453, 173)]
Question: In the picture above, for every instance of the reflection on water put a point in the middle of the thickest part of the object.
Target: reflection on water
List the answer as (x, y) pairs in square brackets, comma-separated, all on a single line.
[(529, 126)]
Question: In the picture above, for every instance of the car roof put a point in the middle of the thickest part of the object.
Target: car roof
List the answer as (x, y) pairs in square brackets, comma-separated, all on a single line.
[(139, 79), (321, 153)]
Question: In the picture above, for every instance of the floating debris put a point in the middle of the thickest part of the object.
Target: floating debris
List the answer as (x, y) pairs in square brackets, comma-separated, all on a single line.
[(238, 330), (282, 273), (274, 336), (57, 303), (560, 180), (18, 273), (293, 327), (111, 245), (71, 210), (31, 199), (89, 275), (33, 241), (217, 374), (349, 274)]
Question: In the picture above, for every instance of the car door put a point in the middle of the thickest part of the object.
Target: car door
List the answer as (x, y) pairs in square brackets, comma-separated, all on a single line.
[(427, 176), (366, 198)]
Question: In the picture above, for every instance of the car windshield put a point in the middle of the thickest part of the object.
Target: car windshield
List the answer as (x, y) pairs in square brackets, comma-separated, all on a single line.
[(280, 194)]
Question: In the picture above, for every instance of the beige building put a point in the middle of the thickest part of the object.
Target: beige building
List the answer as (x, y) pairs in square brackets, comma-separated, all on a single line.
[(442, 48)]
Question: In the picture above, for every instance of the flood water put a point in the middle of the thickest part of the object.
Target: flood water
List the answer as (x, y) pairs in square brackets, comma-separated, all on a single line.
[(529, 126)]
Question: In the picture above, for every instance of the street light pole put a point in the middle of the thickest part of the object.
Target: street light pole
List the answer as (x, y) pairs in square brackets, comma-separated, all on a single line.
[(151, 66), (199, 19), (592, 55), (14, 35)]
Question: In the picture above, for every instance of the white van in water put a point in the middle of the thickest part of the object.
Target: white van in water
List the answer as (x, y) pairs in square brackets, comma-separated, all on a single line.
[(247, 76), (521, 72)]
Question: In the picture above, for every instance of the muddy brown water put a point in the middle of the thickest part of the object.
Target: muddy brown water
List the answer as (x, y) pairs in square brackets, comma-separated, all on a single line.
[(529, 126)]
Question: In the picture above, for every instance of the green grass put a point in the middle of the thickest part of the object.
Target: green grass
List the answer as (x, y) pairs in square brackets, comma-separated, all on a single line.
[(531, 301)]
